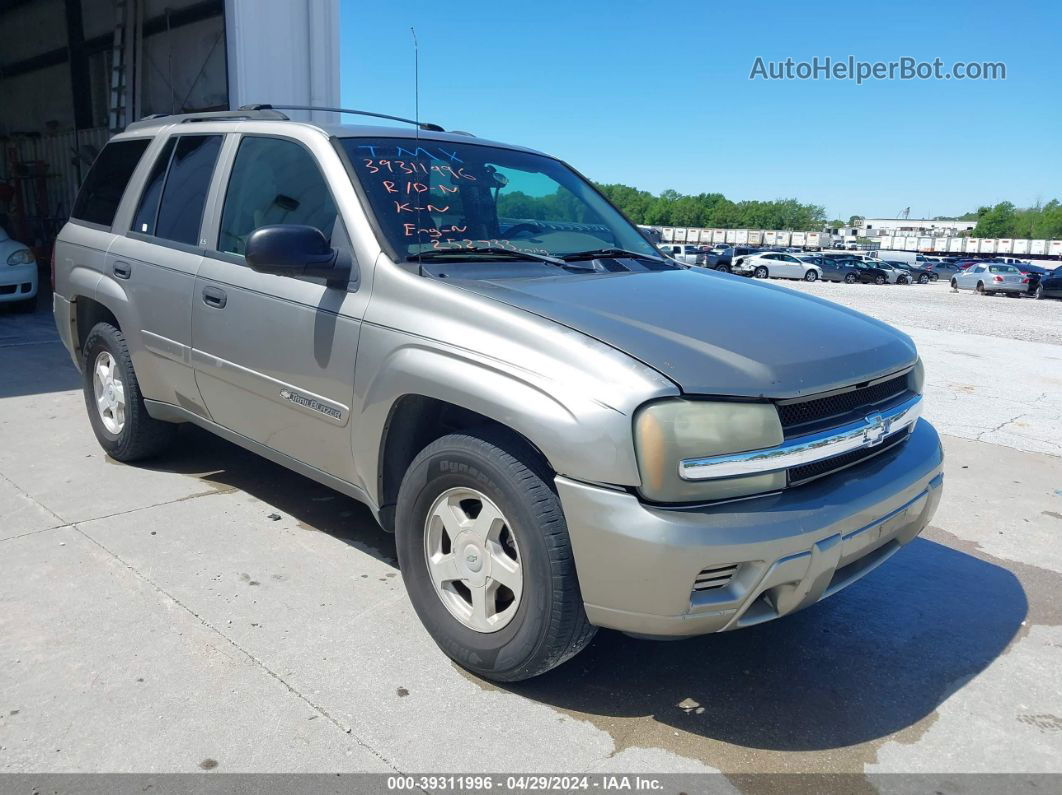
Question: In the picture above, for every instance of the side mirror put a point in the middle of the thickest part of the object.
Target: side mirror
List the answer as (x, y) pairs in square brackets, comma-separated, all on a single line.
[(295, 250)]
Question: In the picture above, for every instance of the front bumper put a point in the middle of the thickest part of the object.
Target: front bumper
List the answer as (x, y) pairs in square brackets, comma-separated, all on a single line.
[(637, 564), (18, 282)]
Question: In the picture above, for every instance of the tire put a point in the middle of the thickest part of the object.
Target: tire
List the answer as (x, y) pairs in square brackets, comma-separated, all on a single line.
[(1040, 293), (723, 268), (954, 285), (761, 273), (879, 280), (849, 278), (137, 436), (934, 277), (980, 288), (923, 279), (902, 280), (811, 276), (547, 624)]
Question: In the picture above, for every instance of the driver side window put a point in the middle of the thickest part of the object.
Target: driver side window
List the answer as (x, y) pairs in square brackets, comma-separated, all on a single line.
[(273, 181)]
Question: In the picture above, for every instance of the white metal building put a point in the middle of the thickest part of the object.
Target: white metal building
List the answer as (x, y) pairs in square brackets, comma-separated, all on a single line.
[(946, 227)]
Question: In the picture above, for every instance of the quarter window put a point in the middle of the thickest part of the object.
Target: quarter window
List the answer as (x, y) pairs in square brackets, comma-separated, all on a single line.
[(101, 192), (274, 181)]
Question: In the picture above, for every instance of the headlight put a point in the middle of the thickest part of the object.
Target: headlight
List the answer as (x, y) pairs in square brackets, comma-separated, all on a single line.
[(21, 257), (916, 379), (669, 431)]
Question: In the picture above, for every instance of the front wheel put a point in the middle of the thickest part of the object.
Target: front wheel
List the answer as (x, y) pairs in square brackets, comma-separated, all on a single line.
[(723, 268), (954, 285), (849, 278), (486, 558), (1040, 293), (116, 409), (879, 280), (923, 279), (811, 276), (761, 273)]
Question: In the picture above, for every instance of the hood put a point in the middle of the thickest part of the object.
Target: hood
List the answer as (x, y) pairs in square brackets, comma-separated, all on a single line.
[(715, 334)]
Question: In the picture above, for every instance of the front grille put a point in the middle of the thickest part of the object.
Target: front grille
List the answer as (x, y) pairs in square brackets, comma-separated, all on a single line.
[(809, 414), (714, 578), (802, 474)]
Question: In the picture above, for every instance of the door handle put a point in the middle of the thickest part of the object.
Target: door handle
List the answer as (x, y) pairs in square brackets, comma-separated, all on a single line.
[(214, 297), (122, 270)]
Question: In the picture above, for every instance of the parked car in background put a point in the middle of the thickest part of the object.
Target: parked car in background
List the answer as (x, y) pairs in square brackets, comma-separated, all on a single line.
[(18, 274), (776, 265), (963, 264), (682, 252), (722, 259), (870, 274), (946, 267), (1050, 285), (915, 273), (834, 269), (989, 278), (1033, 274)]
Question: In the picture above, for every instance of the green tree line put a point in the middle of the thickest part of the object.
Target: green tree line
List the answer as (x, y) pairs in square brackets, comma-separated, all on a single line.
[(672, 208), (1006, 220)]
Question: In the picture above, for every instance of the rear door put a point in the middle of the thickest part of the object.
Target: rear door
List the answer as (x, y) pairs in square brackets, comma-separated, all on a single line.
[(156, 261), (274, 355)]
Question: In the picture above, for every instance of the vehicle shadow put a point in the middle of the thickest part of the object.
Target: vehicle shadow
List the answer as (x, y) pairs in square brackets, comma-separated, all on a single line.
[(223, 465), (869, 661)]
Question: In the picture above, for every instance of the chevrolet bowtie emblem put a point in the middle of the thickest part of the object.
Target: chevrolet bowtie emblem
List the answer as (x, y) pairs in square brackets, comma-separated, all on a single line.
[(877, 429)]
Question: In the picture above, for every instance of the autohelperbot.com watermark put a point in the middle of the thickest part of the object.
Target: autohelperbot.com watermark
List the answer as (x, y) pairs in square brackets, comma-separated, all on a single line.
[(851, 68)]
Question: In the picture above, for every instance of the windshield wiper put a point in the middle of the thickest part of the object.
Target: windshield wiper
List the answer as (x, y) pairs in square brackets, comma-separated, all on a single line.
[(610, 253), (494, 250)]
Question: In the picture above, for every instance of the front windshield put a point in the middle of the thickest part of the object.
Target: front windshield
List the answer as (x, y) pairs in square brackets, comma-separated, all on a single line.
[(432, 196)]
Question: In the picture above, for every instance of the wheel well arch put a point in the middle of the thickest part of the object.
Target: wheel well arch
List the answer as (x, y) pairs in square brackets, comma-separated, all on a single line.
[(414, 422), (89, 313)]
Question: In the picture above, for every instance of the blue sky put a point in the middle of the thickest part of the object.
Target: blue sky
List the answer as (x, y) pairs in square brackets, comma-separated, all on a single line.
[(657, 95)]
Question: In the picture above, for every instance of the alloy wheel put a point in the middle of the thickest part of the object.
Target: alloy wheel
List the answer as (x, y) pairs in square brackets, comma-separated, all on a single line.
[(109, 392), (473, 559)]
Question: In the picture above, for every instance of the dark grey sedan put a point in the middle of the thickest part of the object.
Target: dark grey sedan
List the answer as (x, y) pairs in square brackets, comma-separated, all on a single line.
[(833, 270)]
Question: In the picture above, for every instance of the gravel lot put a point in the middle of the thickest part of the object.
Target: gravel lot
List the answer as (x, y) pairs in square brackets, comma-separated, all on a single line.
[(993, 364), (936, 307)]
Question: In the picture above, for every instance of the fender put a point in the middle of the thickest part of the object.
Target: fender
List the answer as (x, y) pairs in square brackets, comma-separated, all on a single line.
[(580, 436)]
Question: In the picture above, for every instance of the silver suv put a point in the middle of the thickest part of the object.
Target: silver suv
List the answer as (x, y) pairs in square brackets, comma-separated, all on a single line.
[(564, 430)]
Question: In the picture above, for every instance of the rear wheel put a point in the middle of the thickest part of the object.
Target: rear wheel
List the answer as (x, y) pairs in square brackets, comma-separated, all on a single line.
[(879, 280), (486, 558), (723, 268), (116, 409), (811, 276), (761, 272), (923, 279), (1040, 293), (849, 278), (980, 288), (954, 285)]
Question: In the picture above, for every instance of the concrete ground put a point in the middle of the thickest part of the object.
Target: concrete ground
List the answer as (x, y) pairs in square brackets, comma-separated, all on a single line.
[(210, 610)]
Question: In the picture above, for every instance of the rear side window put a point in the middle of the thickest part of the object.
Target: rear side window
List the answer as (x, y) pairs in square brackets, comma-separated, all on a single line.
[(147, 212), (274, 181), (102, 190), (171, 206)]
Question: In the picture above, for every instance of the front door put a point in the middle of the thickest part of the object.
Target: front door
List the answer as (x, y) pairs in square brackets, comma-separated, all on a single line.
[(274, 355)]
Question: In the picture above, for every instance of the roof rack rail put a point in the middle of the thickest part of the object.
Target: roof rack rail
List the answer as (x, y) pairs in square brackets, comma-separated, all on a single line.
[(243, 114), (424, 125)]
